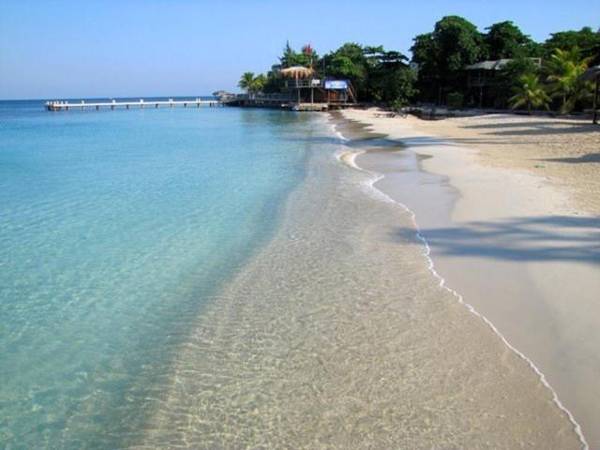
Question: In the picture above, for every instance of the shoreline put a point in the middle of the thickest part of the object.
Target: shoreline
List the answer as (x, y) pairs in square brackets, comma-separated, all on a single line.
[(350, 160), (345, 338), (421, 146)]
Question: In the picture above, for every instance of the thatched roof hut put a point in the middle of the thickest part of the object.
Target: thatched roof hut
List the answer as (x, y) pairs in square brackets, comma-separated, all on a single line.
[(297, 72)]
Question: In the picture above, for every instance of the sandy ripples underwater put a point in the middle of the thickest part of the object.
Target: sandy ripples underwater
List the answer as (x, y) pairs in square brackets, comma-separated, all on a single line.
[(336, 335)]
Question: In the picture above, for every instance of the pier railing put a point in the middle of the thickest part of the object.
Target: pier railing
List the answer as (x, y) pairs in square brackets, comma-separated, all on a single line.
[(59, 105)]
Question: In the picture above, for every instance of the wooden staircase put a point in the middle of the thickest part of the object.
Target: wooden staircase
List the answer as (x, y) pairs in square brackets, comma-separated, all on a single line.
[(351, 92)]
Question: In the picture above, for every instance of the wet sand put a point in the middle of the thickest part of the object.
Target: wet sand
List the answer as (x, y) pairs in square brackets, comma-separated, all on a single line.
[(518, 248), (338, 335)]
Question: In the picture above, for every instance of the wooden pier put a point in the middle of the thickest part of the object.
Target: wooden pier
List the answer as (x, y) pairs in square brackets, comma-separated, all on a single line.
[(280, 101), (63, 105)]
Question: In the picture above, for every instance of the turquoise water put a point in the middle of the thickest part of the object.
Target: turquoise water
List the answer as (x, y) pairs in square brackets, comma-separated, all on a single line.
[(116, 228)]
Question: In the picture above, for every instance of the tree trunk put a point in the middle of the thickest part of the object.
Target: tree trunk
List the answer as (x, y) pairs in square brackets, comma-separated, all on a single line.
[(596, 101)]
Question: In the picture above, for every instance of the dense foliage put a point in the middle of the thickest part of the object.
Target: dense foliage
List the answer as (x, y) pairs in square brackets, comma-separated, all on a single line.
[(455, 43), (443, 54), (506, 40), (538, 75), (376, 74)]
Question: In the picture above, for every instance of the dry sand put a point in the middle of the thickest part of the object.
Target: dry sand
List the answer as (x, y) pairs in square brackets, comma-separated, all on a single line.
[(565, 151), (509, 207)]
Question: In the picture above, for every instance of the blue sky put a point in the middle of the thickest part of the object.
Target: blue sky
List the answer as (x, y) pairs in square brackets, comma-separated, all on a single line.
[(87, 48)]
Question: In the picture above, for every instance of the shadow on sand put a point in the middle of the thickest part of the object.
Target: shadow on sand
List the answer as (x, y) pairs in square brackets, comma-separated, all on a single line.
[(589, 158), (550, 238), (370, 142), (533, 125), (380, 141)]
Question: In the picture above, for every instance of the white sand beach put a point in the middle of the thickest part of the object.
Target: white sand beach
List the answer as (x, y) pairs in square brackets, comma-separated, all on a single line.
[(515, 231), (565, 152)]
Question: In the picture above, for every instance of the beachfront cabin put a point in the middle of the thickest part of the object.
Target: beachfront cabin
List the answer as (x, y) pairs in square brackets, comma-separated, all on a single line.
[(299, 89), (303, 87), (314, 90), (483, 78)]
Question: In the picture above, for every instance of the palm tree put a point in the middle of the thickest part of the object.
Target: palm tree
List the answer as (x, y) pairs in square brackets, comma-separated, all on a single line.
[(246, 81), (565, 68), (529, 92), (258, 83), (252, 84)]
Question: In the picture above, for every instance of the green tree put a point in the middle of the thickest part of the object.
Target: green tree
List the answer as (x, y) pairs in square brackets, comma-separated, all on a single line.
[(529, 92), (399, 87), (252, 84), (306, 57), (505, 40), (443, 54), (424, 52), (375, 73), (258, 83), (564, 69), (273, 82), (246, 81), (348, 62), (389, 78), (586, 40), (458, 43), (509, 77)]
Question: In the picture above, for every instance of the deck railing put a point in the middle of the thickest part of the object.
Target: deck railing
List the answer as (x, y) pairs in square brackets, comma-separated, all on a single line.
[(304, 83)]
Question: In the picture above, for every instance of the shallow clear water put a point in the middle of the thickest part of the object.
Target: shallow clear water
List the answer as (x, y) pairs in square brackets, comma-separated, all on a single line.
[(116, 228)]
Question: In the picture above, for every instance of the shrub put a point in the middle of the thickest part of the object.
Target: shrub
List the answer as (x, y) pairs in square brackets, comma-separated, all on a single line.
[(455, 100)]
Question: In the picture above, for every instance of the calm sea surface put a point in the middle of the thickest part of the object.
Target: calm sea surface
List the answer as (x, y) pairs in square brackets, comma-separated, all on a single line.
[(116, 229)]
